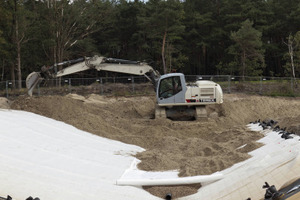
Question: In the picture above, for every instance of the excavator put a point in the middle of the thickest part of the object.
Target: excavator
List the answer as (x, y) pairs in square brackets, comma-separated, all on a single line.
[(175, 98)]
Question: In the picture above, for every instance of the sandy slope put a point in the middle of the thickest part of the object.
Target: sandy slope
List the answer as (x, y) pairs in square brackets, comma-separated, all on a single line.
[(193, 147)]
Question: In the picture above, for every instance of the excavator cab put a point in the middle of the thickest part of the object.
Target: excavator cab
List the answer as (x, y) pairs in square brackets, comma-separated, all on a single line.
[(170, 96), (171, 89)]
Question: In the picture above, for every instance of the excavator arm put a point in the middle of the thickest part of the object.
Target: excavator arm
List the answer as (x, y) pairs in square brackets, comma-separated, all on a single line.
[(96, 62)]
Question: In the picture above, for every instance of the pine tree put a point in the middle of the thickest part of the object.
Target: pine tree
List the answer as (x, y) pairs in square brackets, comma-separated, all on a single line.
[(248, 46), (162, 27)]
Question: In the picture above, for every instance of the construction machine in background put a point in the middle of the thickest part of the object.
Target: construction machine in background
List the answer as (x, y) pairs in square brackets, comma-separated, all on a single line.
[(175, 99)]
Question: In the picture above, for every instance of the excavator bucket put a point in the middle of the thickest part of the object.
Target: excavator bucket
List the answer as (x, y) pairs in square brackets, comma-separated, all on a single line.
[(32, 80)]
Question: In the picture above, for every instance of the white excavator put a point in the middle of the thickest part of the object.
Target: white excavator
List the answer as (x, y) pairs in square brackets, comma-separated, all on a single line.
[(175, 99)]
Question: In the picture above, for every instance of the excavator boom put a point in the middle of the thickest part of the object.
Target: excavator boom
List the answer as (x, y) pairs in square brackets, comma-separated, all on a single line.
[(96, 62)]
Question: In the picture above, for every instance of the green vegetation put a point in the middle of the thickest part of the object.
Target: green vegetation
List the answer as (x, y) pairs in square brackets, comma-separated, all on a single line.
[(231, 37)]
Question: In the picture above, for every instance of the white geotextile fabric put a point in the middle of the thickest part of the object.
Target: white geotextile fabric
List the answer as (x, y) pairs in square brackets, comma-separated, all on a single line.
[(45, 158)]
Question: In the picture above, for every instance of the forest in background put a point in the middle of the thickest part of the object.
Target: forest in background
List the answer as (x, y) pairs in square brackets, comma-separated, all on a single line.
[(205, 37)]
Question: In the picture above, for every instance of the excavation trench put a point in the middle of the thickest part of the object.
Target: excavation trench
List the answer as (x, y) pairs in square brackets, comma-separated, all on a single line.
[(192, 147)]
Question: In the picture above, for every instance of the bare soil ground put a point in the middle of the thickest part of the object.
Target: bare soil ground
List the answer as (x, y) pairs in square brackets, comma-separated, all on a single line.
[(192, 147)]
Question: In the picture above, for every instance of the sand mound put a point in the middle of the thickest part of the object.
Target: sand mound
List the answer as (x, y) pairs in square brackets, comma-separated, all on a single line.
[(4, 103)]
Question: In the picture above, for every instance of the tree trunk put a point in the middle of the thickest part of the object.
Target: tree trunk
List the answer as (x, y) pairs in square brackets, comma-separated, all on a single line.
[(2, 73), (243, 61), (13, 78), (291, 52), (204, 57), (163, 52), (59, 40), (18, 43), (170, 60)]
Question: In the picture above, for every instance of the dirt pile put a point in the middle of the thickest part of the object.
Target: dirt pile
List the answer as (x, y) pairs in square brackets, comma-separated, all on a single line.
[(192, 147), (4, 103)]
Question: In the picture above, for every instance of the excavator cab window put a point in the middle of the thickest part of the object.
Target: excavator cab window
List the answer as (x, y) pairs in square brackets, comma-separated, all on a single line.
[(169, 87)]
